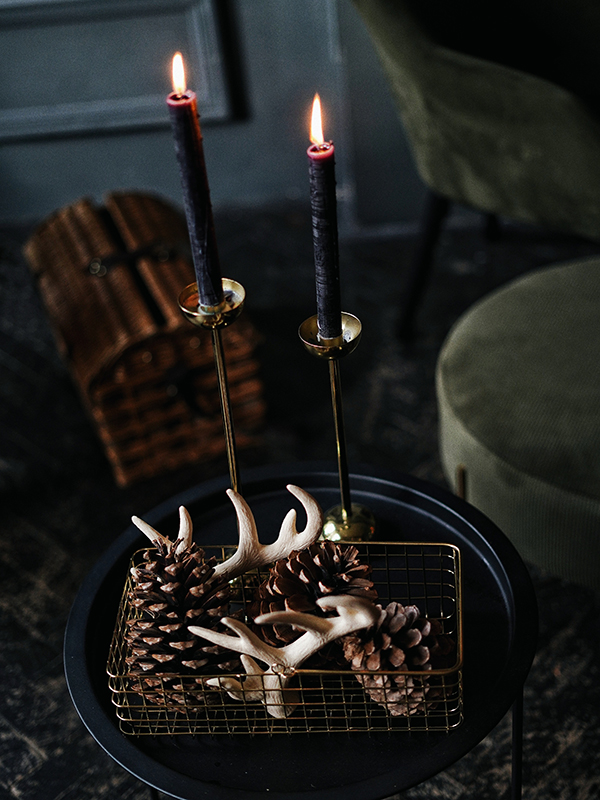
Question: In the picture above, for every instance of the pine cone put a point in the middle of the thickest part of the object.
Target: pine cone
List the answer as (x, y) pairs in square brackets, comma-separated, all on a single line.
[(295, 583), (401, 641), (172, 590)]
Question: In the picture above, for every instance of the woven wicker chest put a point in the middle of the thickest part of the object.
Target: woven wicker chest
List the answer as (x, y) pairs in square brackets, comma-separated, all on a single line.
[(110, 277)]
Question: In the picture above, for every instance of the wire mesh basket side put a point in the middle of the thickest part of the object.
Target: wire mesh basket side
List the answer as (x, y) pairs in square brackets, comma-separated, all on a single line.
[(327, 700), (325, 703)]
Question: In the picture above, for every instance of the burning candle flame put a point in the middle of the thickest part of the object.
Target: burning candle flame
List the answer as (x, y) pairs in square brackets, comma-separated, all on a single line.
[(179, 86), (316, 126)]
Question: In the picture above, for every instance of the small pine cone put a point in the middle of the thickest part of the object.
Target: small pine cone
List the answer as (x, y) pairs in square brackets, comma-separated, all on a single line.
[(170, 591), (295, 583), (400, 641)]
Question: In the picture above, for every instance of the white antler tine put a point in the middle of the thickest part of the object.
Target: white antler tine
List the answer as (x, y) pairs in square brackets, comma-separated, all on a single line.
[(232, 686), (354, 613), (247, 554), (223, 639), (250, 665), (290, 538), (244, 641), (251, 553), (155, 537), (184, 538), (347, 606), (259, 687), (247, 637), (296, 618)]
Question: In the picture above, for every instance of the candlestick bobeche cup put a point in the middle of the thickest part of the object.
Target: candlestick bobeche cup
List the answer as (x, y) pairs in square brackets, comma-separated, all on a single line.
[(347, 521)]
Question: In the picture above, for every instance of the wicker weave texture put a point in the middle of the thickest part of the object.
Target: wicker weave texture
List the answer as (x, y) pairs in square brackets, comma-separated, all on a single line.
[(110, 277)]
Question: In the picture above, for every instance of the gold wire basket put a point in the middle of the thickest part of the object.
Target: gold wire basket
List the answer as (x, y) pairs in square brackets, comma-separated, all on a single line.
[(326, 700)]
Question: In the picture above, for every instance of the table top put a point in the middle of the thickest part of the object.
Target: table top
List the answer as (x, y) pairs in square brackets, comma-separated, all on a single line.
[(499, 639)]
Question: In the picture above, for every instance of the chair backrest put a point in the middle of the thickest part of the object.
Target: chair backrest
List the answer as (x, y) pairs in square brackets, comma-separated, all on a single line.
[(485, 133), (551, 39)]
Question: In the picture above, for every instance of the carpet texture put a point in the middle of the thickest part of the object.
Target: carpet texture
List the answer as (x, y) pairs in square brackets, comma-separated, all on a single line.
[(61, 508)]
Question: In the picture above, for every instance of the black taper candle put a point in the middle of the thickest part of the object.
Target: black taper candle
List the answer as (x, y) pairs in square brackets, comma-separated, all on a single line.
[(321, 162), (185, 122)]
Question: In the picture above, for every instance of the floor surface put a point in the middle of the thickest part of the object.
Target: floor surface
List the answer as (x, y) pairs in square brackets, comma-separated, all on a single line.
[(61, 508)]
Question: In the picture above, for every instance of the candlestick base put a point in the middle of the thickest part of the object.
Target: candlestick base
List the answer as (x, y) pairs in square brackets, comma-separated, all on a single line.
[(219, 316), (358, 526), (331, 349)]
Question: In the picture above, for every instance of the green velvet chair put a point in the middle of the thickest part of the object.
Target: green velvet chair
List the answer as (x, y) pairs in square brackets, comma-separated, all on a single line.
[(500, 102), (518, 388)]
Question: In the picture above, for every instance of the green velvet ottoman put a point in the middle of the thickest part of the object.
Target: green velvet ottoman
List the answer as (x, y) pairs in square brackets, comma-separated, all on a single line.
[(518, 386)]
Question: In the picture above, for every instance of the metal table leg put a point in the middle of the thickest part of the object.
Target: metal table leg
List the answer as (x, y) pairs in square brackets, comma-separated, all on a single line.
[(517, 747)]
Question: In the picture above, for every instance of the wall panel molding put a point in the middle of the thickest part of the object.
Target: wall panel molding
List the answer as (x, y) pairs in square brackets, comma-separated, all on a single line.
[(146, 27)]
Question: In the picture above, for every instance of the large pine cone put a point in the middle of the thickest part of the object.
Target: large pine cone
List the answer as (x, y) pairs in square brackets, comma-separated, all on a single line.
[(172, 590), (295, 583), (400, 641)]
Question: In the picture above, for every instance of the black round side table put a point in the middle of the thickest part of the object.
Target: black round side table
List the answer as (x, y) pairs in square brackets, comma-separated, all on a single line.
[(499, 635)]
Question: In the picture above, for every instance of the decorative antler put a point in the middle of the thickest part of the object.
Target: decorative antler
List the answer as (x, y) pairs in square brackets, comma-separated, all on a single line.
[(269, 686), (184, 538), (251, 553)]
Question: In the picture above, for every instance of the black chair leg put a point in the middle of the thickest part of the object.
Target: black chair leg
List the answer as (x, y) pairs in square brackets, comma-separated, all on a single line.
[(492, 229), (154, 795), (517, 748), (435, 212)]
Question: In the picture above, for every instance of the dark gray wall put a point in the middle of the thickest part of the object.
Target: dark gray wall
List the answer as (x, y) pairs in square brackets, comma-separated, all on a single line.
[(82, 107)]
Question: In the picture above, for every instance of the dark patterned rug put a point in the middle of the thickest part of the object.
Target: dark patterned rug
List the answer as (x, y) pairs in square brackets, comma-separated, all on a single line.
[(61, 509)]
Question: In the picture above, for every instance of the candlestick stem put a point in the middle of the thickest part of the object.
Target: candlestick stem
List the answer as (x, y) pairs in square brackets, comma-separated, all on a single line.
[(340, 437), (226, 410), (348, 521), (215, 318)]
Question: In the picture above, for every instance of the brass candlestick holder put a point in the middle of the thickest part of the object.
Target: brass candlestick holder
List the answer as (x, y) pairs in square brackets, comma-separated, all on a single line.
[(215, 318), (348, 521)]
